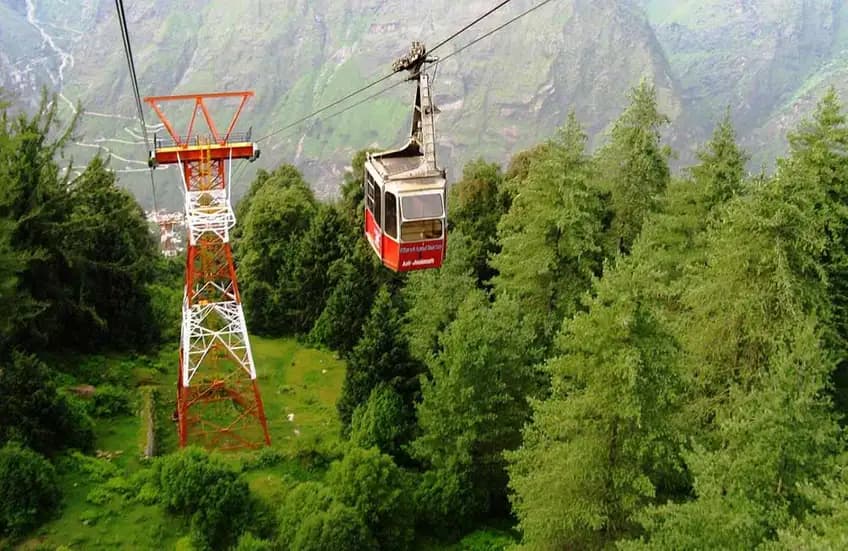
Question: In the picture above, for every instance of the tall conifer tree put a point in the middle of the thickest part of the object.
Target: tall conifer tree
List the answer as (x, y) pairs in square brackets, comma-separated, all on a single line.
[(380, 356), (551, 237), (475, 402), (634, 166)]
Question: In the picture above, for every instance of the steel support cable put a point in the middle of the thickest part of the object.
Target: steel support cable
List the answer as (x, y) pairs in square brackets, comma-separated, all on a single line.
[(328, 106), (337, 113), (491, 32), (239, 170), (435, 63), (122, 20), (380, 80), (125, 36), (465, 28)]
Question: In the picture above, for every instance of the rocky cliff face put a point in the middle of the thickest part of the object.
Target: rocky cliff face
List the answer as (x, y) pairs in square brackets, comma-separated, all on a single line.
[(503, 94), (766, 59)]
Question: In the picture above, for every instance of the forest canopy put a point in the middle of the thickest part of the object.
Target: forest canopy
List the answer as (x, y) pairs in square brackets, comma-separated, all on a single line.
[(613, 354)]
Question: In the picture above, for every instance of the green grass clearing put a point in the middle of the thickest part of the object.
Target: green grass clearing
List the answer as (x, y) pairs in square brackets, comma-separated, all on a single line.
[(292, 380)]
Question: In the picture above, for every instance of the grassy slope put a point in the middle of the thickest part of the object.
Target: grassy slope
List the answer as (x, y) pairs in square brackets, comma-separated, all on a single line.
[(293, 380), (299, 381)]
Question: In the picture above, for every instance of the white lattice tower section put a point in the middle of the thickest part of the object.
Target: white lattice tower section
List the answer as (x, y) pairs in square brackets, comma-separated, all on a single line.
[(199, 340), (215, 324)]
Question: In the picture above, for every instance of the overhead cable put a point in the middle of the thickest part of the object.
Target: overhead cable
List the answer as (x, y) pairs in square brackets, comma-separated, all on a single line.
[(125, 36), (493, 31), (465, 28), (326, 107)]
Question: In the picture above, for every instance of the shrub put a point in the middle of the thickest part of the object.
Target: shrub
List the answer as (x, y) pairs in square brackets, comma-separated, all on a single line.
[(442, 500), (341, 527), (263, 459), (381, 421), (208, 490), (165, 301), (317, 452), (110, 401), (34, 413), (90, 517), (29, 490), (487, 540), (95, 370), (119, 485), (98, 495), (93, 469), (305, 500), (148, 495), (371, 483), (249, 542)]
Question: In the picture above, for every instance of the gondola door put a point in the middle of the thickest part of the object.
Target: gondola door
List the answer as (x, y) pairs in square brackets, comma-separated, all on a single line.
[(382, 221), (374, 213)]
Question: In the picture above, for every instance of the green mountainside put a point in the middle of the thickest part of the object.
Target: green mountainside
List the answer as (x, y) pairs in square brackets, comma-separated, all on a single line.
[(768, 60), (496, 98), (765, 59)]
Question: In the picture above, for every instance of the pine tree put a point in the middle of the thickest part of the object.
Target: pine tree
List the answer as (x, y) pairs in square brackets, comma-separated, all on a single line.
[(278, 218), (384, 422), (380, 356), (551, 237), (477, 203), (763, 271), (820, 147), (323, 243), (758, 329), (11, 264), (83, 243), (826, 525), (721, 165), (475, 402), (634, 166), (519, 167), (434, 296), (354, 281), (112, 253), (283, 177), (672, 246), (772, 441), (34, 197), (34, 413), (602, 444)]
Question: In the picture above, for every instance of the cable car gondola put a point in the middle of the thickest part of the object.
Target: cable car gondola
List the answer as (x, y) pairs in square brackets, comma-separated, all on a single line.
[(405, 209)]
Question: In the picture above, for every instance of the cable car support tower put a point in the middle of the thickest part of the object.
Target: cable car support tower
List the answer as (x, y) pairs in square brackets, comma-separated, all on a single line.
[(218, 400)]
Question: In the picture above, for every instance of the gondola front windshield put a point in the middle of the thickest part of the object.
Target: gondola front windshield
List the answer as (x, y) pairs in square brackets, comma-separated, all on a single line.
[(421, 207)]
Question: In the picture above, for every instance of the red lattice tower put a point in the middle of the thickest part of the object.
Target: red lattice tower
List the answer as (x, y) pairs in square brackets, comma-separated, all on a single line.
[(218, 400)]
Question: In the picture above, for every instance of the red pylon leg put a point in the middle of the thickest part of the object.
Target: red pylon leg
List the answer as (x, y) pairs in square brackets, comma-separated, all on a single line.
[(260, 410)]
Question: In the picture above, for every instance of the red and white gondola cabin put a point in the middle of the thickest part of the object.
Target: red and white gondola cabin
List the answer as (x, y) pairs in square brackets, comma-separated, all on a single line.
[(405, 210)]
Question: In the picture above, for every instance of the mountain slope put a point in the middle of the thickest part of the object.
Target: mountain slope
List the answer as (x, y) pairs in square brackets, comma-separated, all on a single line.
[(767, 60), (505, 93)]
